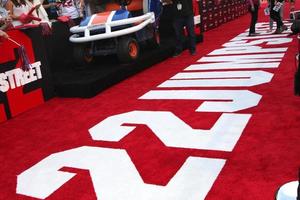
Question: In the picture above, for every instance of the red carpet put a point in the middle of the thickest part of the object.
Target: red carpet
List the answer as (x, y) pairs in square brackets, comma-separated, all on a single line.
[(173, 147)]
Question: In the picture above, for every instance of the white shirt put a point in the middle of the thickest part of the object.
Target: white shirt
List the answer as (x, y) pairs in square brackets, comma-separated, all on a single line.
[(68, 8)]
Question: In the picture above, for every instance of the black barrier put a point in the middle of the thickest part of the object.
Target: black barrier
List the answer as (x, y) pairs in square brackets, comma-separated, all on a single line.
[(166, 29), (21, 90), (297, 77), (60, 50)]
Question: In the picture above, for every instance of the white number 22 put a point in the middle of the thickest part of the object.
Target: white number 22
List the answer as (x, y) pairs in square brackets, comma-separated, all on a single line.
[(113, 174)]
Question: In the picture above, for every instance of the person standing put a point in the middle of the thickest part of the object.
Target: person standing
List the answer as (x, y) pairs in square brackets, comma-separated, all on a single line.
[(275, 7), (184, 17), (271, 22), (253, 6), (73, 9), (19, 9), (16, 8)]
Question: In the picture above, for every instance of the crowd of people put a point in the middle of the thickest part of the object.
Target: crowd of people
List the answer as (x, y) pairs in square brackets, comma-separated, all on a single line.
[(183, 17), (274, 10), (14, 13), (17, 13)]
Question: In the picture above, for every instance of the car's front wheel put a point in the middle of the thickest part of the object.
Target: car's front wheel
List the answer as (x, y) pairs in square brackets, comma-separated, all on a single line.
[(128, 49)]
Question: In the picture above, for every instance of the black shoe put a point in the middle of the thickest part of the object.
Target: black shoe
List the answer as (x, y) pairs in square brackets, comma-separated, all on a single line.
[(284, 27), (277, 31), (253, 34), (281, 29)]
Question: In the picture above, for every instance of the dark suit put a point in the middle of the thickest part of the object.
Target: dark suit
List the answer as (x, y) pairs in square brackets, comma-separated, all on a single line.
[(184, 17)]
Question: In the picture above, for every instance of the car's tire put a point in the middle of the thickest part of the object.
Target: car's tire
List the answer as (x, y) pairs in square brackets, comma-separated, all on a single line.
[(82, 55), (128, 49)]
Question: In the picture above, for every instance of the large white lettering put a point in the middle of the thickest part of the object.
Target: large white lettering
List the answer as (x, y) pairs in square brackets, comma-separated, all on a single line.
[(244, 36), (220, 100), (245, 50), (215, 79), (17, 77), (171, 130), (115, 177), (232, 65), (274, 57), (267, 41), (4, 86), (113, 174)]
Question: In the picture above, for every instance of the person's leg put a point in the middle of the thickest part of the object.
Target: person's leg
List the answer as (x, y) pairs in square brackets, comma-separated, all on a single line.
[(255, 16), (271, 22), (191, 33), (178, 29), (252, 22), (276, 17)]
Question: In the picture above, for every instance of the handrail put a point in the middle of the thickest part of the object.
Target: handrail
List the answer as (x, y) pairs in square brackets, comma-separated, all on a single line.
[(109, 25), (88, 38)]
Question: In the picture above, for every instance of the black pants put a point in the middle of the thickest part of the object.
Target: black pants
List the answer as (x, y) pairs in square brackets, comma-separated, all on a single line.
[(254, 15), (179, 23), (275, 15)]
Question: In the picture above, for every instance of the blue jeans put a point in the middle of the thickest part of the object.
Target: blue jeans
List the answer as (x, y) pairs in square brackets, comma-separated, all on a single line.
[(179, 23)]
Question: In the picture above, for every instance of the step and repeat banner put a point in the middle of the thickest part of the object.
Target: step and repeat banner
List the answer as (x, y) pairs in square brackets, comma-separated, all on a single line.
[(217, 12), (22, 89)]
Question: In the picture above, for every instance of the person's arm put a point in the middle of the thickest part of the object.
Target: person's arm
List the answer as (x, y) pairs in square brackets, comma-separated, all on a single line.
[(81, 7), (9, 6), (24, 17)]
